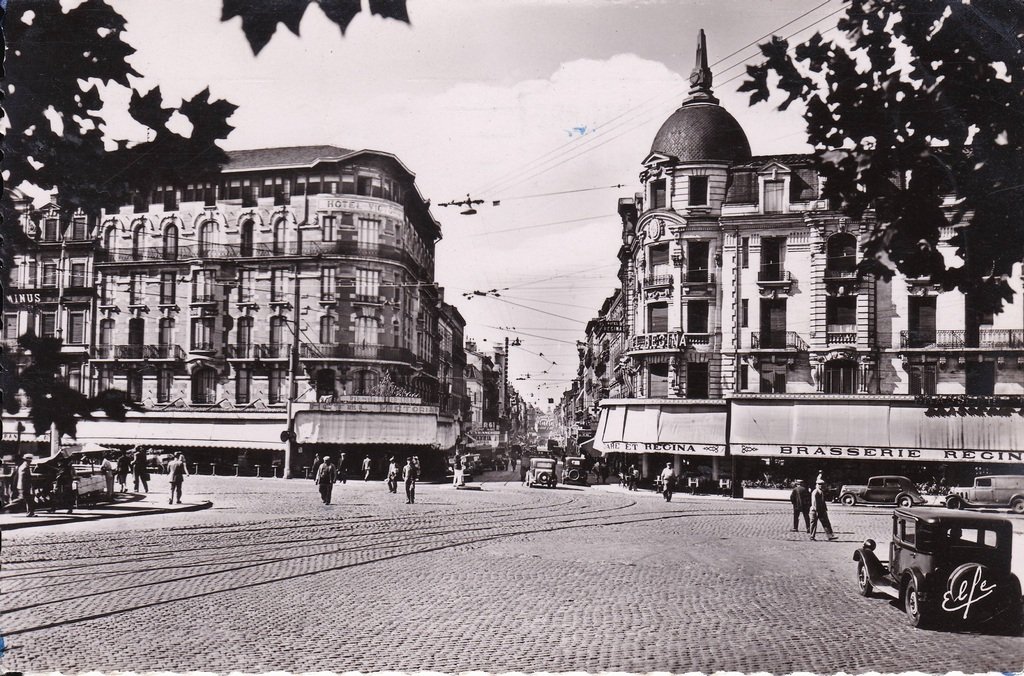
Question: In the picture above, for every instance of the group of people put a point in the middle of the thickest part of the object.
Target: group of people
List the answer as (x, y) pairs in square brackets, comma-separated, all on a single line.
[(326, 474), (812, 506)]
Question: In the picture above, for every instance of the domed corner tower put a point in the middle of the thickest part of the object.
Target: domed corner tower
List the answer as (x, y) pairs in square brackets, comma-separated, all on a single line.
[(687, 168)]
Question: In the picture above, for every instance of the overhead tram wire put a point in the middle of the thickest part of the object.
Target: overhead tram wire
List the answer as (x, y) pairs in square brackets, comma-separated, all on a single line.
[(591, 142)]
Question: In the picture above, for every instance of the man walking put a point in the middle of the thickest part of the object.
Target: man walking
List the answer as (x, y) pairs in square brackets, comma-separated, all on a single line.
[(366, 468), (819, 511), (392, 475), (139, 470), (801, 499), (326, 475), (341, 469), (317, 461), (410, 474), (177, 471), (24, 484), (668, 481)]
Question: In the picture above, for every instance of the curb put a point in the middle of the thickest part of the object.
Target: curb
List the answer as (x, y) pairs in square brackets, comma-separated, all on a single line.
[(60, 520)]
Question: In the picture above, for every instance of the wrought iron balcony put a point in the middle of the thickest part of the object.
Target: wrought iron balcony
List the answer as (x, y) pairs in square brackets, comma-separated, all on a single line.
[(777, 340), (659, 279), (841, 267), (774, 273), (1012, 339), (138, 352), (698, 276), (349, 351)]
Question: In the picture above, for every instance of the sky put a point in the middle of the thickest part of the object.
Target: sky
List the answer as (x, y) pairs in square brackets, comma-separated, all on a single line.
[(508, 100)]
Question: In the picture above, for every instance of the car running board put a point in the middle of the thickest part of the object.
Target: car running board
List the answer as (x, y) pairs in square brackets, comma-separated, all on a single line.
[(886, 587)]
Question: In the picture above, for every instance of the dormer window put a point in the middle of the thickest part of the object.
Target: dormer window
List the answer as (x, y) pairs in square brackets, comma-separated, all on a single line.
[(658, 194), (698, 191), (774, 196)]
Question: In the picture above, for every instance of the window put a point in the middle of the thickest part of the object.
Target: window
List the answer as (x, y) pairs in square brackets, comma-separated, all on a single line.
[(243, 335), (48, 325), (744, 313), (744, 252), (325, 384), (277, 330), (742, 188), (136, 289), (276, 386), (327, 330), (51, 230), (657, 257), (78, 274), (657, 380), (921, 321), (657, 318), (31, 274), (204, 386), (698, 380), (279, 236), (10, 326), (658, 194), (75, 378), (772, 258), (367, 285), (328, 283), (243, 386), (106, 296), (79, 228), (202, 333), (697, 316), (773, 379), (841, 313), (366, 334), (803, 185), (841, 255), (137, 331), (134, 386), (138, 240), (206, 239), (697, 254), (76, 327), (49, 274), (840, 377), (328, 226), (245, 248), (164, 381), (105, 379), (698, 191), (368, 232), (774, 197), (365, 382), (908, 531), (246, 281), (107, 332), (202, 286), (980, 378), (168, 287), (171, 243), (773, 323), (277, 286)]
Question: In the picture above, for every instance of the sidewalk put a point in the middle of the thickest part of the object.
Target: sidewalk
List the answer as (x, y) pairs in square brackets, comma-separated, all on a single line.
[(124, 505)]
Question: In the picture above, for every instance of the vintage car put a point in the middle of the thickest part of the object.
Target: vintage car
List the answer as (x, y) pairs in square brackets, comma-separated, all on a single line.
[(541, 473), (888, 490), (574, 471), (946, 567), (990, 491)]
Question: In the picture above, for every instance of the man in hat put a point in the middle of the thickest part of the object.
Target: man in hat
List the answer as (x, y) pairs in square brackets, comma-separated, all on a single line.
[(24, 484), (177, 471), (366, 468), (819, 511), (668, 481), (801, 499), (392, 475), (326, 475), (410, 473)]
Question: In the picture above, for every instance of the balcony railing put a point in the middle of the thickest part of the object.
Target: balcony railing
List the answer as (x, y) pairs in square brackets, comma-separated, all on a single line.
[(658, 280), (701, 338), (348, 351), (698, 276), (841, 267), (840, 334), (777, 340), (139, 352), (774, 273), (947, 339), (257, 351), (203, 346)]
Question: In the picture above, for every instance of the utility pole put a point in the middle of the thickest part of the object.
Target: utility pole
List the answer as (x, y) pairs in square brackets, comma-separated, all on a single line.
[(293, 366), (58, 326)]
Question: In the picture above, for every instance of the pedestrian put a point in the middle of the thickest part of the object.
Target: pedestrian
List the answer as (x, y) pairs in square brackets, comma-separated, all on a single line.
[(668, 481), (392, 475), (108, 468), (326, 475), (24, 484), (366, 468), (317, 461), (524, 467), (177, 471), (124, 465), (801, 499), (460, 478), (410, 474), (140, 470), (604, 472), (511, 463), (342, 476), (634, 477), (819, 511), (64, 482)]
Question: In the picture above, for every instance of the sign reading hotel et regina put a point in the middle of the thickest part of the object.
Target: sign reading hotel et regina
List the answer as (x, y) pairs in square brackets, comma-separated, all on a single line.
[(663, 447), (875, 453)]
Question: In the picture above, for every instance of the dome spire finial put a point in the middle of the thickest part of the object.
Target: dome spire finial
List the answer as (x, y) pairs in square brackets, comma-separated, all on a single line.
[(700, 78)]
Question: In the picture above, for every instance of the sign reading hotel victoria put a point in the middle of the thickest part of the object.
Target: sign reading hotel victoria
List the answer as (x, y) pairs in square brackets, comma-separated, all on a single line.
[(364, 204), (875, 453)]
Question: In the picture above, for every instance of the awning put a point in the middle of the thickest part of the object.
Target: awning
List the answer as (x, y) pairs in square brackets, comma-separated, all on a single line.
[(660, 426), (871, 429), (343, 427), (587, 447), (176, 433)]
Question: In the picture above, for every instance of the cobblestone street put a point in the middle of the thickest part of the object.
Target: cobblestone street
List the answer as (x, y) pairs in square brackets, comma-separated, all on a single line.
[(499, 579)]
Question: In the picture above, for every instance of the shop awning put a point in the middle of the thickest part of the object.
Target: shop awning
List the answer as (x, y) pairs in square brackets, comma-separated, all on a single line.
[(871, 429), (330, 427), (176, 433), (587, 447), (661, 427)]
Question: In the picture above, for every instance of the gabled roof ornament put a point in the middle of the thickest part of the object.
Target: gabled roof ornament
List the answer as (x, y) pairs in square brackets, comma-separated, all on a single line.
[(700, 78)]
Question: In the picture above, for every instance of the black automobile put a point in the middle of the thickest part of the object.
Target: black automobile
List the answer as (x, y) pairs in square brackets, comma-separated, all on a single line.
[(944, 567)]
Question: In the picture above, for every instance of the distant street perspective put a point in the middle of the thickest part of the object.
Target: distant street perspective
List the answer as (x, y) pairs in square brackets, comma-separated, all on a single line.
[(504, 578)]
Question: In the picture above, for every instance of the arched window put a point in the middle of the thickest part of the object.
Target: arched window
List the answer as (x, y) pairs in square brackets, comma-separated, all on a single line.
[(171, 243), (365, 381), (204, 386), (841, 254), (138, 241), (325, 380), (205, 239), (245, 246), (108, 238), (279, 236), (840, 377)]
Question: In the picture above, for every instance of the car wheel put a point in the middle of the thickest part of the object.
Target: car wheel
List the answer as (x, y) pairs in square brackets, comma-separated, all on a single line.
[(905, 501), (848, 499), (863, 581), (916, 614), (953, 502), (1017, 505)]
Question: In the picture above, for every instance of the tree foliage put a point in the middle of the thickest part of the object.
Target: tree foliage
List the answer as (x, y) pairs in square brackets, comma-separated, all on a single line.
[(919, 99), (260, 19)]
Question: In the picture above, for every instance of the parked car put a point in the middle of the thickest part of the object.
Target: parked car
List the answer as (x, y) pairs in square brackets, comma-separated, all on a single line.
[(1000, 490), (946, 567), (574, 471), (887, 490), (541, 472)]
